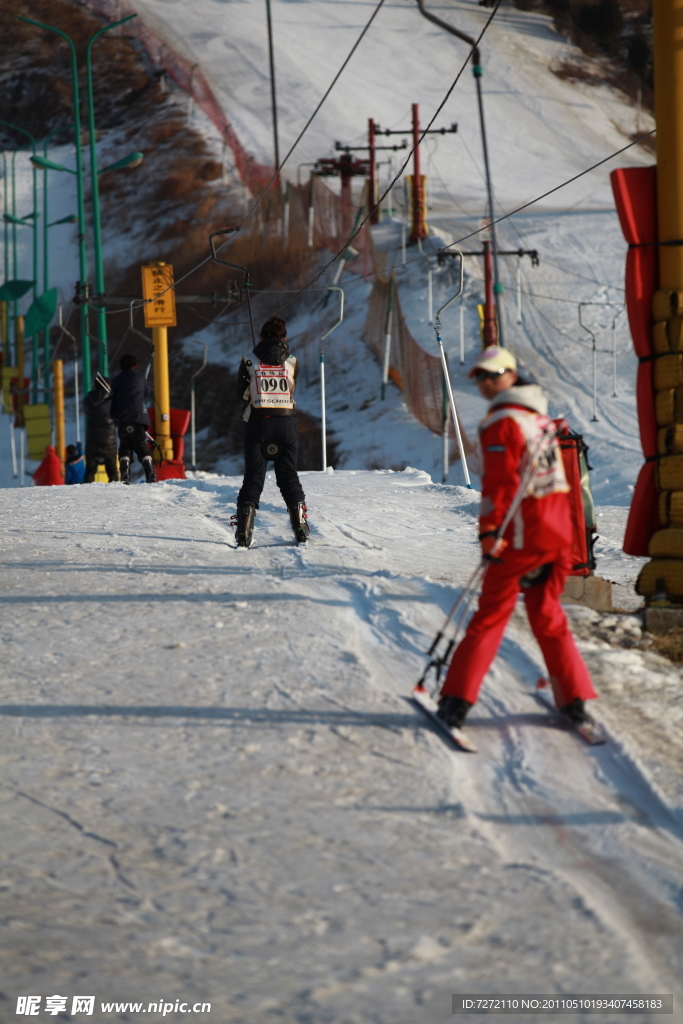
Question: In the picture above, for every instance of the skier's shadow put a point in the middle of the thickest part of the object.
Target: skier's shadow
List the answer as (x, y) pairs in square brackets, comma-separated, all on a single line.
[(231, 716), (536, 719)]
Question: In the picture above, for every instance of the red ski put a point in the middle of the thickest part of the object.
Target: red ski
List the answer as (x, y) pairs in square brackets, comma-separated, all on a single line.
[(421, 699), (590, 731)]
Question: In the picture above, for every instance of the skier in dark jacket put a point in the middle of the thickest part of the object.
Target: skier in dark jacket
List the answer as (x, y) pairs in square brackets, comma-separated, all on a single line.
[(266, 384), (100, 432), (130, 395)]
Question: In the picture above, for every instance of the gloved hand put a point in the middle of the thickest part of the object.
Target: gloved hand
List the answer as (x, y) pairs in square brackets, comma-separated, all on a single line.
[(492, 546)]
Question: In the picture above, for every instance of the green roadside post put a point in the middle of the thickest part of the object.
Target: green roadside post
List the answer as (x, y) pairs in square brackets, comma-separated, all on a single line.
[(103, 354), (34, 340), (82, 259), (46, 251), (6, 359)]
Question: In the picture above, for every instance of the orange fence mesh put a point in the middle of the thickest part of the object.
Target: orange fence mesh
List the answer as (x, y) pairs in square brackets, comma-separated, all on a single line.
[(189, 77), (415, 371), (329, 218)]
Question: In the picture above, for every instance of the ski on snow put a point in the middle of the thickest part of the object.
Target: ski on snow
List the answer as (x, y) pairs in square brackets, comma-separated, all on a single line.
[(420, 699), (591, 732)]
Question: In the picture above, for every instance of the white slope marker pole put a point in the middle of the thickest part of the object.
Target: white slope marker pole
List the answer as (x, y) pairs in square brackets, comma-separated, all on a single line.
[(430, 302), (15, 472), (462, 333), (387, 337), (519, 291), (332, 288), (192, 400), (444, 363), (594, 417), (68, 333)]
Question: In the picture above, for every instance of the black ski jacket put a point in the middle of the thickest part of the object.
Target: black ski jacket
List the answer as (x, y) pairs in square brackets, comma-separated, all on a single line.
[(100, 429), (130, 395), (273, 352)]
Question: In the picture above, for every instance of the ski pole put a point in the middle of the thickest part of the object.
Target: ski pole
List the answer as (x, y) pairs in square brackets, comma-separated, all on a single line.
[(151, 441), (99, 379), (478, 573)]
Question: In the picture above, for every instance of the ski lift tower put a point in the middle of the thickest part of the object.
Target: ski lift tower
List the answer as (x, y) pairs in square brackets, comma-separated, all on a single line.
[(347, 167)]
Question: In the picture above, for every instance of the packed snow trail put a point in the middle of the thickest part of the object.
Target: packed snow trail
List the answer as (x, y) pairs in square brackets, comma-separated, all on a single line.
[(215, 789)]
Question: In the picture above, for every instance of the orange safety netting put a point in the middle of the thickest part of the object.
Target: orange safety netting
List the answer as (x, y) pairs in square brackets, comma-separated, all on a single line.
[(189, 77), (332, 222), (415, 371)]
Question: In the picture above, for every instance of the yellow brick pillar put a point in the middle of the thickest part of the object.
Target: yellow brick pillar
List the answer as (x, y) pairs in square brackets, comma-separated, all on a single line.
[(668, 73), (664, 574), (162, 392)]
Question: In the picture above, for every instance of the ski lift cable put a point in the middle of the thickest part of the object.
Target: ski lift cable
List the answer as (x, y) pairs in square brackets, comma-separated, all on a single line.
[(401, 169), (291, 149), (471, 234)]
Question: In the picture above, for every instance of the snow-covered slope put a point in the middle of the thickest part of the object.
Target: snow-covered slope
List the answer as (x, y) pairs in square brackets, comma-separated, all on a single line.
[(214, 788), (541, 129)]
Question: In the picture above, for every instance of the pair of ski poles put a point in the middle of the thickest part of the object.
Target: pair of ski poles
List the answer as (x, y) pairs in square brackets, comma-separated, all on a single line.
[(464, 601)]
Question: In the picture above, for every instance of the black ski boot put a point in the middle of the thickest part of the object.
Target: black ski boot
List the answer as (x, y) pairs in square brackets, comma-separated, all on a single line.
[(576, 712), (298, 515), (243, 521), (453, 711), (148, 466), (125, 469)]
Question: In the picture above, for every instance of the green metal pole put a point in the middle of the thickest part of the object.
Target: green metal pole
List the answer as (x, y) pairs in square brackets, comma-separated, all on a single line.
[(15, 305), (34, 340), (83, 266), (46, 255), (5, 211), (103, 353)]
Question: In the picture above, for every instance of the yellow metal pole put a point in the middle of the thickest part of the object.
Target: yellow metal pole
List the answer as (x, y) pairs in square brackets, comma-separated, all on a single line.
[(162, 392), (21, 397), (58, 397), (668, 74)]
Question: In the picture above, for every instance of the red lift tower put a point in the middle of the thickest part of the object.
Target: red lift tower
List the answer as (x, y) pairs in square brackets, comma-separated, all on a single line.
[(347, 167), (419, 226)]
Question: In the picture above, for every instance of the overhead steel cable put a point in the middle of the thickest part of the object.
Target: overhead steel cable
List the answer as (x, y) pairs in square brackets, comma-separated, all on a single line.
[(458, 241), (289, 152)]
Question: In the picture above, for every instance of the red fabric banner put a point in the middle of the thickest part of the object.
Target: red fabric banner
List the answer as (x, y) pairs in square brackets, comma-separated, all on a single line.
[(635, 195)]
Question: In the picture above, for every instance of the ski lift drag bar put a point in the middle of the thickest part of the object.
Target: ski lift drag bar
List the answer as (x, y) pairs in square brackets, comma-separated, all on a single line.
[(437, 328)]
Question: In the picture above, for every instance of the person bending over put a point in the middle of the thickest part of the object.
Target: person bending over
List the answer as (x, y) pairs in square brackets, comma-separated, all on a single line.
[(130, 395), (100, 432)]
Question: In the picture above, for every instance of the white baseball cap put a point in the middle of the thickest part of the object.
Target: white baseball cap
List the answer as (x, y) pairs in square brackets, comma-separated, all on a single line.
[(494, 360)]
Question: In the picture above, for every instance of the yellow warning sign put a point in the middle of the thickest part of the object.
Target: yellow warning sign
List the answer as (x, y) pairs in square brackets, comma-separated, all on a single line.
[(157, 290)]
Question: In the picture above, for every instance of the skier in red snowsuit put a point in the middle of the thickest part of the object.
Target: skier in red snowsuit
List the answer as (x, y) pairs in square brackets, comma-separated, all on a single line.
[(533, 555), (49, 472)]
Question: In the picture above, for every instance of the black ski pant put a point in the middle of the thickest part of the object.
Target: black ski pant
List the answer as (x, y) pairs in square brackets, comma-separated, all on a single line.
[(133, 438), (271, 428), (94, 455)]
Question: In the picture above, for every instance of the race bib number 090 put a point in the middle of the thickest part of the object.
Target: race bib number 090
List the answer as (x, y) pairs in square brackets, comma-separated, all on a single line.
[(272, 385)]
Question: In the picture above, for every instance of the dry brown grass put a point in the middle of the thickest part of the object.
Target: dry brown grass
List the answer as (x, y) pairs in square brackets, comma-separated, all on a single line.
[(35, 69), (669, 644)]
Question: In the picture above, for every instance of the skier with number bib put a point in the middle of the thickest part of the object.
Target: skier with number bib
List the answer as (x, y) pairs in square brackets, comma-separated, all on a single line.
[(266, 384), (533, 555)]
